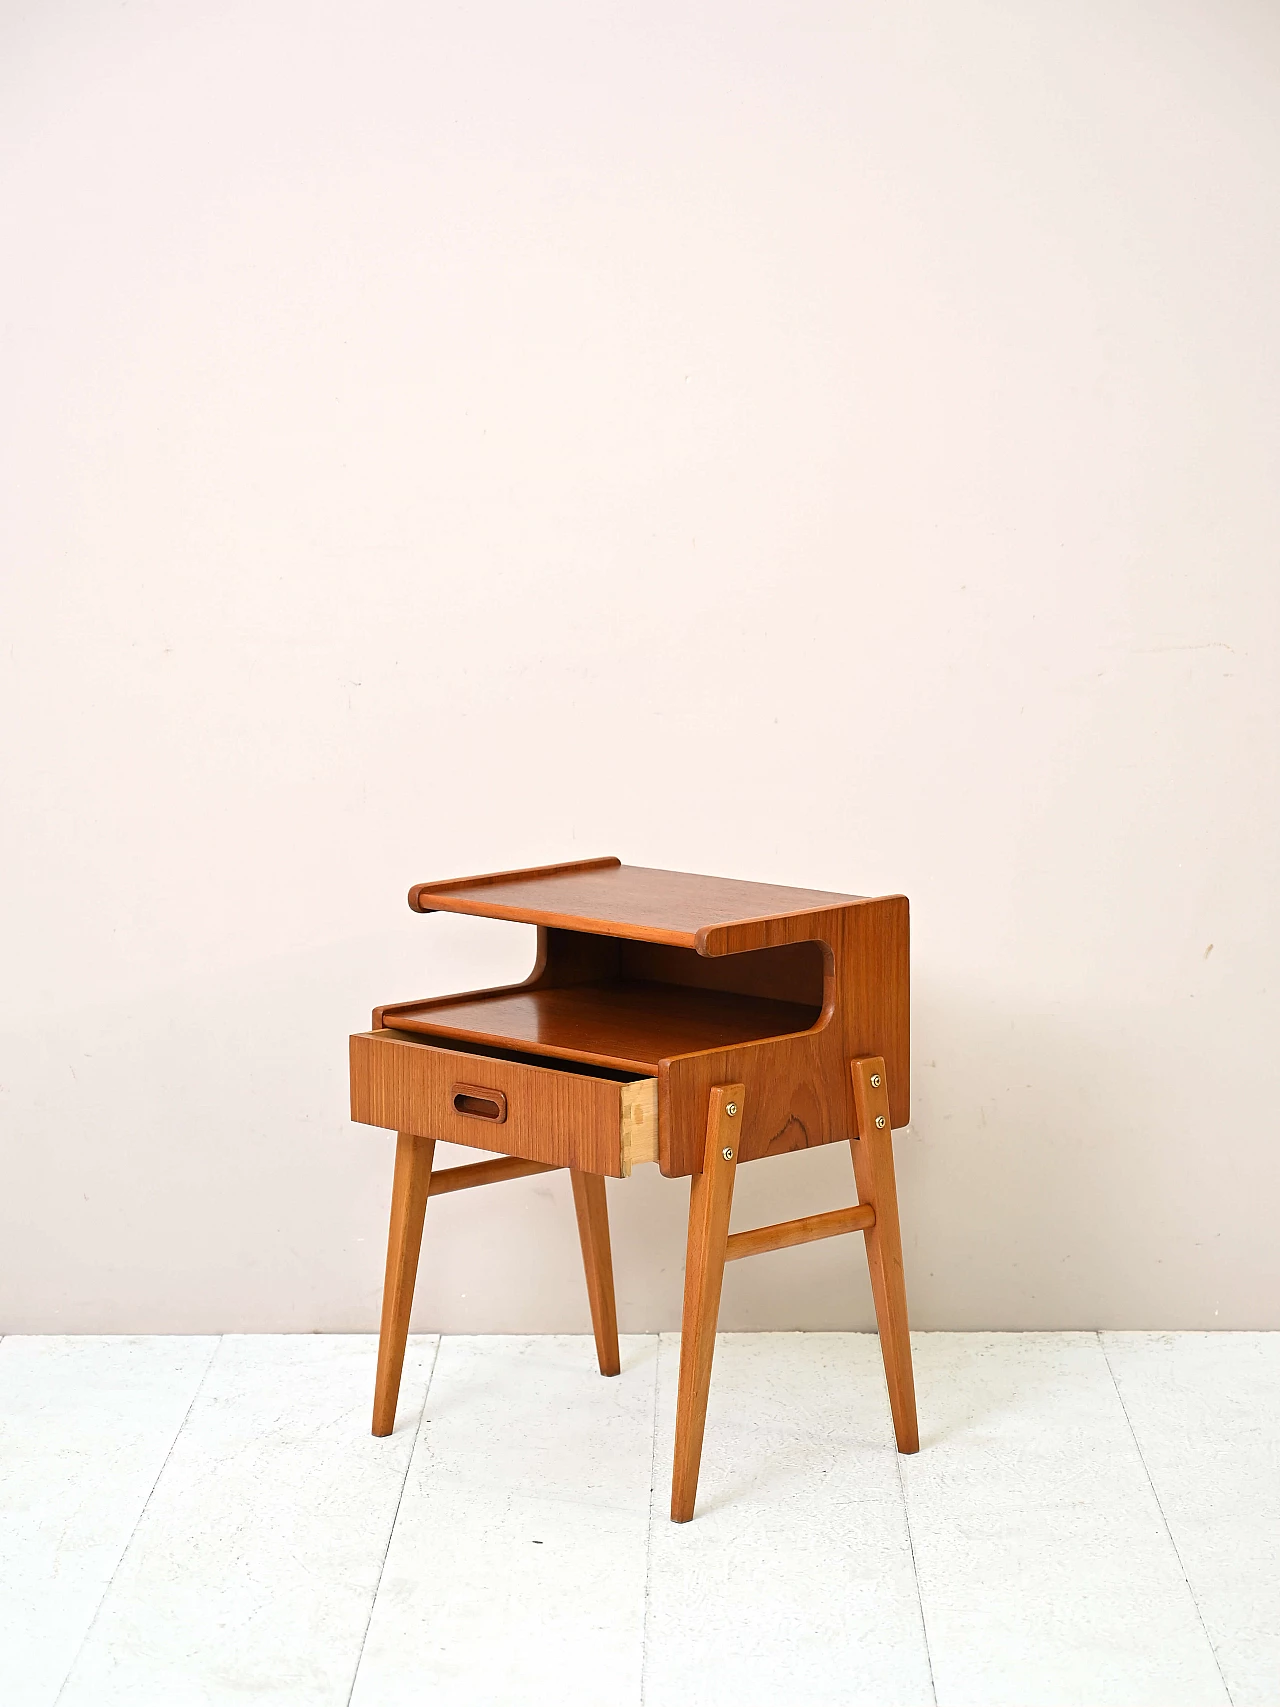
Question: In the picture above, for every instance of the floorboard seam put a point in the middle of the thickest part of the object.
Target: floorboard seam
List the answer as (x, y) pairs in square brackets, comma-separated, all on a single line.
[(1102, 1346), (648, 1540), (915, 1572), (124, 1551), (395, 1518)]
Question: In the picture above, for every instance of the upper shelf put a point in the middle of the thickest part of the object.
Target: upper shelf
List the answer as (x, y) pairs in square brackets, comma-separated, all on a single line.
[(606, 898)]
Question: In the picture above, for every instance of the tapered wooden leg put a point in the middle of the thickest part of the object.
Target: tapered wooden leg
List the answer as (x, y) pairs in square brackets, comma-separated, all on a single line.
[(873, 1171), (408, 1207), (710, 1200), (597, 1260)]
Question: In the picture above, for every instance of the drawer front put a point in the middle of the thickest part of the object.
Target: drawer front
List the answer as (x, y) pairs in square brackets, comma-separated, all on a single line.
[(537, 1113)]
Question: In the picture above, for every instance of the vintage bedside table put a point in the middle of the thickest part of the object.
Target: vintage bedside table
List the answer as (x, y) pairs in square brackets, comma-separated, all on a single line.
[(692, 1021)]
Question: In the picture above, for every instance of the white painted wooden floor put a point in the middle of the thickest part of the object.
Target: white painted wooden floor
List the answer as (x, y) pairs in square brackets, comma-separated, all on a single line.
[(1091, 1519)]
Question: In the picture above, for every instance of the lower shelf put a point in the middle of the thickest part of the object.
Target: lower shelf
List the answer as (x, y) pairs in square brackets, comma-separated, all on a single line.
[(629, 1026)]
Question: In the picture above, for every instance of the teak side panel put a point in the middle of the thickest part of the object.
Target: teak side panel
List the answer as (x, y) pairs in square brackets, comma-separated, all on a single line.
[(568, 1120), (799, 1093)]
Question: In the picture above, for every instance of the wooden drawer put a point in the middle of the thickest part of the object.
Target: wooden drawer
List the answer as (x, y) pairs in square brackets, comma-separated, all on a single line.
[(568, 1115)]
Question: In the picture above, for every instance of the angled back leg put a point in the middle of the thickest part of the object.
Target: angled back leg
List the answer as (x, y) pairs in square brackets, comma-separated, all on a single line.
[(873, 1171), (593, 1230)]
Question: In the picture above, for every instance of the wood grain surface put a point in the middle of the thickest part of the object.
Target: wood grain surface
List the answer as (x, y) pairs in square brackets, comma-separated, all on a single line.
[(607, 898), (800, 1093), (566, 1119)]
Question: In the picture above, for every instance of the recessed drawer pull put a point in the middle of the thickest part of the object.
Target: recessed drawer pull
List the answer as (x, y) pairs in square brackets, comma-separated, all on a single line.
[(482, 1104)]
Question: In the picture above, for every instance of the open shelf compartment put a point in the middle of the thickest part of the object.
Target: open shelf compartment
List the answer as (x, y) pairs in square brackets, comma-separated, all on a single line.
[(629, 1025)]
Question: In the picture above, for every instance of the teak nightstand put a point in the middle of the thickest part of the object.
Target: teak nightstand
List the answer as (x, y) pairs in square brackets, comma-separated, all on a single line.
[(692, 1021)]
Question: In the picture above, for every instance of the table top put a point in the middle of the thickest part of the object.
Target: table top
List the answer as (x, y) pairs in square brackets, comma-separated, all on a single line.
[(605, 897)]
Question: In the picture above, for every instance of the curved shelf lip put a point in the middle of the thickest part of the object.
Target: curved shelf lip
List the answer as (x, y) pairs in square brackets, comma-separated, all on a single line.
[(530, 874), (499, 1040), (563, 921)]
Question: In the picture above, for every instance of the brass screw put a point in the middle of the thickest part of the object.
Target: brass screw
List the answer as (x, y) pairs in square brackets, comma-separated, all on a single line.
[(875, 1081), (731, 1108), (727, 1154), (879, 1119)]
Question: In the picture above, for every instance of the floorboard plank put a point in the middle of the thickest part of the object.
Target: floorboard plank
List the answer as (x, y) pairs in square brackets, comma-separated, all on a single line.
[(516, 1571), (794, 1582), (85, 1427), (1203, 1407), (191, 1521), (251, 1575), (1047, 1574)]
